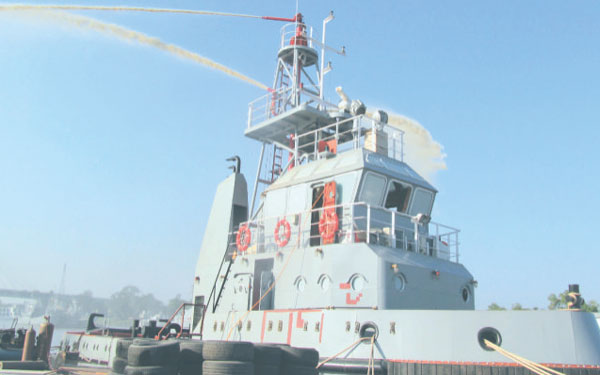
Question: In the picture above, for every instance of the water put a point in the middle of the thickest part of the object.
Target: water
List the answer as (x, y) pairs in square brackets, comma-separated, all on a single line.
[(141, 38), (120, 8)]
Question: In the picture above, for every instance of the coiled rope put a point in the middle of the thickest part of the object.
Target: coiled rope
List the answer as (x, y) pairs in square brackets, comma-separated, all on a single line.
[(532, 366)]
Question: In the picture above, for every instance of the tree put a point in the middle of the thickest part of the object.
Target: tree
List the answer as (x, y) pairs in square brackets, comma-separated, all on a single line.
[(495, 307), (517, 306), (130, 303), (174, 304), (558, 302)]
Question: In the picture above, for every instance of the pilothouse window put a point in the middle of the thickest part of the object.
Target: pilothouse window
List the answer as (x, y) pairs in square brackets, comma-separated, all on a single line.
[(421, 202), (372, 189), (398, 196)]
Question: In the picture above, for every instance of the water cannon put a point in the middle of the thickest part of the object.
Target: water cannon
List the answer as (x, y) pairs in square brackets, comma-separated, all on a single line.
[(380, 116), (357, 107)]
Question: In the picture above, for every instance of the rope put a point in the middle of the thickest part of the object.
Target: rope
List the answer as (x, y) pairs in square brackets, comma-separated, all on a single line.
[(371, 365), (342, 351), (289, 257), (533, 366), (120, 9)]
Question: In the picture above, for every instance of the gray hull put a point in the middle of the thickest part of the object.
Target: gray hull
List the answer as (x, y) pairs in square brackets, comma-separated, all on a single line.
[(551, 337)]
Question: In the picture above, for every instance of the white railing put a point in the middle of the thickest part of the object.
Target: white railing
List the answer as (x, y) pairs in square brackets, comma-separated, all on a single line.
[(357, 222), (277, 102), (352, 133), (288, 33)]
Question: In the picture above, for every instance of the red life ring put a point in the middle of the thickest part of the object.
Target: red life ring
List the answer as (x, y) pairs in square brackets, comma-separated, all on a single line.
[(281, 241), (328, 225), (243, 238)]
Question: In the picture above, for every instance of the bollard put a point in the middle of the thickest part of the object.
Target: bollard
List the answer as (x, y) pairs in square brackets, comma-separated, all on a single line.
[(45, 339), (29, 346)]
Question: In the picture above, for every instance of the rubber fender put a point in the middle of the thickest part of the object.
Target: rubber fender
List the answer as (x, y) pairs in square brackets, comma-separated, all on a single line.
[(300, 356), (298, 370), (228, 351), (190, 352), (190, 369), (160, 353), (227, 368), (118, 365), (267, 354), (150, 370), (262, 369), (122, 348)]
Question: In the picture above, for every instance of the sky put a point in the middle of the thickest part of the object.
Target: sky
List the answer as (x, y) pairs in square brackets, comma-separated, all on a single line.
[(110, 151)]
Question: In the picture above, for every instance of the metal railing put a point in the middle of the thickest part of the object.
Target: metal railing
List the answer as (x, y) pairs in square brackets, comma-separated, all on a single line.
[(276, 102), (351, 133), (357, 222)]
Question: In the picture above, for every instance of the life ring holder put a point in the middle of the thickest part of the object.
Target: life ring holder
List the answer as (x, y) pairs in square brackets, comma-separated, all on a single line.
[(328, 225), (243, 238), (281, 241)]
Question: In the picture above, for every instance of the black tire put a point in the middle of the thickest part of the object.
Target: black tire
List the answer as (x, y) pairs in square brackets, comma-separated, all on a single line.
[(164, 353), (266, 369), (190, 369), (299, 356), (144, 341), (123, 347), (118, 365), (228, 351), (267, 354), (150, 370), (190, 352), (298, 370), (227, 368)]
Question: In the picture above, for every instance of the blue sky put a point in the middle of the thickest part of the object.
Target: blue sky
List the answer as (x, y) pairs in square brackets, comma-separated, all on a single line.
[(110, 152)]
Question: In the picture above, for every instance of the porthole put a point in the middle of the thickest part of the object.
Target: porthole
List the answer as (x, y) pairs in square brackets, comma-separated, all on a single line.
[(466, 294), (490, 334), (357, 282), (300, 284), (324, 282), (399, 282)]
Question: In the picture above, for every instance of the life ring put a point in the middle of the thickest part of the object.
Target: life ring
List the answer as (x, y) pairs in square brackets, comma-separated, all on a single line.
[(243, 238), (328, 225), (281, 241)]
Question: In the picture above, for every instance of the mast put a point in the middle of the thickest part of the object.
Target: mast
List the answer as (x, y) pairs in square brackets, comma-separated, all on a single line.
[(298, 79)]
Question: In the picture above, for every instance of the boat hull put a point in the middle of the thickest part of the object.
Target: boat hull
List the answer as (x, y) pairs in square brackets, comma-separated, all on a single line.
[(551, 337)]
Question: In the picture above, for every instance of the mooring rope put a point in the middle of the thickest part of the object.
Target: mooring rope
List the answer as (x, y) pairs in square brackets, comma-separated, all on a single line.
[(371, 365), (533, 366), (342, 351)]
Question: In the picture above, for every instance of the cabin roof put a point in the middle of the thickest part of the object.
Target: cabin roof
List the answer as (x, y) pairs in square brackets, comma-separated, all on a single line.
[(350, 161)]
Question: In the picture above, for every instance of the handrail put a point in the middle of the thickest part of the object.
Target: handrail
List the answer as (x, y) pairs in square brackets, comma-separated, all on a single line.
[(360, 222), (166, 325)]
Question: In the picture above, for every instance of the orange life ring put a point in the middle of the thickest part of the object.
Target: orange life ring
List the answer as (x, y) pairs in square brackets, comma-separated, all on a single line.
[(243, 238), (328, 225), (281, 241)]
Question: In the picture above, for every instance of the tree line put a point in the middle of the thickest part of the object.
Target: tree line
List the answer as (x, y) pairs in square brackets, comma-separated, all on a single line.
[(555, 302)]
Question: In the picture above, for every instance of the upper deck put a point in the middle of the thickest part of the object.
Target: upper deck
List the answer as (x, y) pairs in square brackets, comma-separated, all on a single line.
[(317, 129)]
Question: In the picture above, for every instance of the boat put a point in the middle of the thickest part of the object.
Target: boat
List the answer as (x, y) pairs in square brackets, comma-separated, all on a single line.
[(335, 247), (11, 343)]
